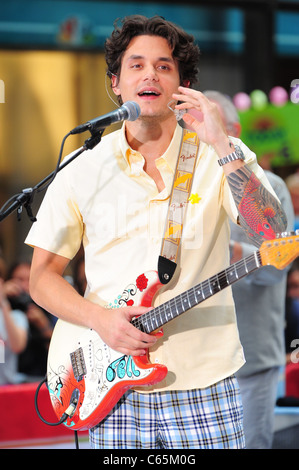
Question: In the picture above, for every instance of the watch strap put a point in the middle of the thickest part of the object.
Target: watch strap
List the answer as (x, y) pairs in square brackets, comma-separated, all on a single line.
[(236, 155)]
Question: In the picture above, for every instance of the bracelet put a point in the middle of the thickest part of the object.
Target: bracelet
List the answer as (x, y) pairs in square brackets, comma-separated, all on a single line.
[(236, 155)]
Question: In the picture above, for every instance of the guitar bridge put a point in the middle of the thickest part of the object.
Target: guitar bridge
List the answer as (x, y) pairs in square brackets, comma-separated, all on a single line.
[(78, 364)]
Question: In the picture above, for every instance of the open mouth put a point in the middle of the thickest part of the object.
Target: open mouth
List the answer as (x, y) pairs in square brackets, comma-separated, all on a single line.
[(149, 93)]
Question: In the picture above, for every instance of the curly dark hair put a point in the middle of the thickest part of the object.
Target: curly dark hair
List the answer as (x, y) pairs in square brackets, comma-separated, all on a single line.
[(185, 51)]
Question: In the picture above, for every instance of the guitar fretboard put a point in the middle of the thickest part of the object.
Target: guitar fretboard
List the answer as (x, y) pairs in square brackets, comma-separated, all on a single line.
[(159, 316)]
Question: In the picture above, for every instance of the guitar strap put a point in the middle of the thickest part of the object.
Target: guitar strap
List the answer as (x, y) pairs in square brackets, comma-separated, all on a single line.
[(178, 202)]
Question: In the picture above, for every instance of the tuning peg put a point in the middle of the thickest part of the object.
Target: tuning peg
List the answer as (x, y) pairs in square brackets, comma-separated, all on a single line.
[(286, 234)]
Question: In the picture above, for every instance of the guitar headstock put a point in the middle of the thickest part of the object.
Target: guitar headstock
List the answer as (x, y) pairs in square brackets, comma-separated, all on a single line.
[(280, 251)]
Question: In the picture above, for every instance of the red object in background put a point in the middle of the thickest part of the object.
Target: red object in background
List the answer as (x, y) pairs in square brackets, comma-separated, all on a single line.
[(292, 380), (20, 424)]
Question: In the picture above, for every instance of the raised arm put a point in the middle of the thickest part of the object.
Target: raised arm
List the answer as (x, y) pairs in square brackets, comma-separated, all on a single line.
[(260, 213)]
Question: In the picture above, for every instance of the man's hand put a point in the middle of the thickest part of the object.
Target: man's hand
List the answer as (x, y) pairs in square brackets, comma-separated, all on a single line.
[(210, 127), (116, 330)]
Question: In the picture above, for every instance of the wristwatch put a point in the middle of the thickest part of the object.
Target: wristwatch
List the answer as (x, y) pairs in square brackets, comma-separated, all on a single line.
[(236, 155)]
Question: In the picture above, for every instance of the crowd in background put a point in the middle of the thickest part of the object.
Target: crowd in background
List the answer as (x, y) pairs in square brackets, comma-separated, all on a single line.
[(25, 328)]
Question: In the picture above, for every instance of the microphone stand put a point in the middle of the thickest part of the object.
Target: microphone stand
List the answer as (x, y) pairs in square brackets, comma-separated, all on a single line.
[(25, 198)]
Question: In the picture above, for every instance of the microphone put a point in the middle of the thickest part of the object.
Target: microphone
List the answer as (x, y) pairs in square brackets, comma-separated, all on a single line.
[(129, 111)]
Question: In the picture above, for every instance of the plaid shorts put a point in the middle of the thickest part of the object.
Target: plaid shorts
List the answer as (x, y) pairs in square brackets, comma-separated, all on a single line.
[(209, 418)]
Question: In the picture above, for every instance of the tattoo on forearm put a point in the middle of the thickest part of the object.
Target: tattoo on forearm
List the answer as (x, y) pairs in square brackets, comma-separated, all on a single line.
[(260, 213)]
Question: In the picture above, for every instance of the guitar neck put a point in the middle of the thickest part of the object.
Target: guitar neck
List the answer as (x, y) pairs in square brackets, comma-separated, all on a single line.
[(164, 313)]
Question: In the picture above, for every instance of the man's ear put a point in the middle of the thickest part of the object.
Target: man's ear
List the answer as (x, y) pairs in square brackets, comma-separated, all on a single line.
[(186, 83), (114, 84)]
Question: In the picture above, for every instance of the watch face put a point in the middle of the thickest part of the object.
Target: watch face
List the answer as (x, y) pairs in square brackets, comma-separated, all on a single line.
[(239, 153)]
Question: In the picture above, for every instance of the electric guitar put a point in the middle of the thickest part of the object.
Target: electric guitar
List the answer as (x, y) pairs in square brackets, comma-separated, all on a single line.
[(86, 378)]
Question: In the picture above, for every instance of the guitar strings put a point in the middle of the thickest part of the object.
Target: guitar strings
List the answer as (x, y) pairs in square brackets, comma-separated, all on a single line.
[(160, 309), (151, 315)]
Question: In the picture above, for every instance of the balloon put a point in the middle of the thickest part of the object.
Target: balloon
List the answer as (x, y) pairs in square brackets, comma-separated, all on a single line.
[(259, 99), (242, 101), (278, 96)]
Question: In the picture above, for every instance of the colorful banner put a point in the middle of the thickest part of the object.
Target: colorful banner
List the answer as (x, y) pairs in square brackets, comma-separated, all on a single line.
[(272, 133)]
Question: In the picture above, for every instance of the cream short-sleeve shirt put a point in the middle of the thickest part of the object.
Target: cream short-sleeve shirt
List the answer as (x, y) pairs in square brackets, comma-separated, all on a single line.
[(105, 199)]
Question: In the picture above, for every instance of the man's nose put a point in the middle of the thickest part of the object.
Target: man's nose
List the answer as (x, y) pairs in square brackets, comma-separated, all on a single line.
[(150, 73)]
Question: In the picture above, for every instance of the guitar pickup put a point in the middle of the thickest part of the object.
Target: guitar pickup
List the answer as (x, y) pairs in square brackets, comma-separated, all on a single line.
[(78, 364)]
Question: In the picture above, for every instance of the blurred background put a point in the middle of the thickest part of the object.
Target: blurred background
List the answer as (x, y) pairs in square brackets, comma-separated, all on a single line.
[(52, 78)]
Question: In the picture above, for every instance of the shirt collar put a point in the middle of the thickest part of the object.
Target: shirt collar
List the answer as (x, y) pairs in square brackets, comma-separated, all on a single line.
[(135, 160)]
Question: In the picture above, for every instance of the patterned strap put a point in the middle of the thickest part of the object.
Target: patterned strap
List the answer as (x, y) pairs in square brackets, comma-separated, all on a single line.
[(179, 197)]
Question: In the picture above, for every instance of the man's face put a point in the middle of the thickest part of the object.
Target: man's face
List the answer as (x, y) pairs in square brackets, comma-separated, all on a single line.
[(149, 75)]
